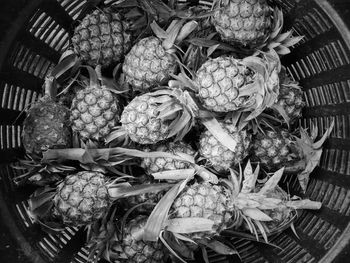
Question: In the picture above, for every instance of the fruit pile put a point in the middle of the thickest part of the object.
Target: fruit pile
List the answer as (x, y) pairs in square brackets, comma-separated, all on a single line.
[(166, 128)]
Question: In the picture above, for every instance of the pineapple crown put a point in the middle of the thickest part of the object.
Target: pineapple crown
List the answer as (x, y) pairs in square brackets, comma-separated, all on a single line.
[(278, 41), (252, 201), (310, 152), (176, 32)]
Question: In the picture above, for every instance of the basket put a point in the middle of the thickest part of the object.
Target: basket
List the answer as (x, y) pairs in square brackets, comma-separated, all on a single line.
[(34, 32)]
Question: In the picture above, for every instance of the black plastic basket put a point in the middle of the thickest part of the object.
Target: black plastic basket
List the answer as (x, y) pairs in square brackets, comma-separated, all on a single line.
[(32, 35)]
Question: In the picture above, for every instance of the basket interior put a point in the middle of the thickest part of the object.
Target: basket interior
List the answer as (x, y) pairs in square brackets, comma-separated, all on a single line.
[(321, 63)]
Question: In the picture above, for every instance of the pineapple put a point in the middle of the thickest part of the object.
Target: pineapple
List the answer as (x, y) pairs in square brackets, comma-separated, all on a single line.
[(152, 60), (156, 116), (46, 124), (226, 84), (273, 149), (204, 200), (155, 165), (290, 99), (133, 249), (202, 210), (83, 198), (102, 38), (252, 24), (246, 22), (218, 155), (94, 110)]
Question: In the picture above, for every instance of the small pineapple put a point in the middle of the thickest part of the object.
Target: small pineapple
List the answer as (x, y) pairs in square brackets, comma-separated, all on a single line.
[(156, 116), (226, 84), (94, 110), (204, 200), (252, 24), (245, 22), (155, 165), (202, 210), (273, 149), (47, 124), (218, 155), (290, 99), (102, 38), (132, 249), (152, 60), (82, 198)]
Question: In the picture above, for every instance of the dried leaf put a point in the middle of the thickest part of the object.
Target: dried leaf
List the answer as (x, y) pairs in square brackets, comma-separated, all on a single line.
[(219, 133), (156, 220), (174, 174), (271, 184), (189, 225), (256, 214)]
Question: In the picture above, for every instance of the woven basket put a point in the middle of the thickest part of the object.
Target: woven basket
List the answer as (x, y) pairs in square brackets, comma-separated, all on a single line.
[(33, 34)]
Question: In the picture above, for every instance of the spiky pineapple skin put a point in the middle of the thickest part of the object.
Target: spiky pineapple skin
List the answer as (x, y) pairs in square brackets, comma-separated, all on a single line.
[(82, 198), (219, 81), (272, 149), (218, 155), (101, 38), (204, 200), (148, 64), (246, 22), (46, 126), (279, 215), (155, 165), (94, 112), (291, 96), (141, 123), (135, 250)]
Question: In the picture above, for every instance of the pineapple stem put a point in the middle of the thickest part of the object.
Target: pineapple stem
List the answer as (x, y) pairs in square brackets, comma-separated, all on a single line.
[(49, 87)]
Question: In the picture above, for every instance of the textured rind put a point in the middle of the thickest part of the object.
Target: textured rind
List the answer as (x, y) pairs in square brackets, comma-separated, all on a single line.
[(291, 99), (272, 149), (101, 38), (94, 112), (219, 83), (46, 126), (219, 156), (141, 123), (82, 198), (134, 250), (247, 22), (154, 165), (148, 64), (207, 201)]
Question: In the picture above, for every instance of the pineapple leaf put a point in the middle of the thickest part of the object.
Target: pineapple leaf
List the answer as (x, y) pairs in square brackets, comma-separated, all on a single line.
[(168, 43), (122, 190), (282, 50), (189, 225), (235, 183), (311, 164), (93, 77), (219, 133), (271, 184), (205, 254), (318, 144), (219, 247), (183, 238), (186, 30), (179, 124), (64, 65), (169, 247), (156, 220), (174, 174), (206, 174), (289, 42), (256, 214), (158, 31), (304, 204), (261, 230), (249, 178)]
